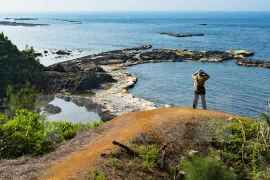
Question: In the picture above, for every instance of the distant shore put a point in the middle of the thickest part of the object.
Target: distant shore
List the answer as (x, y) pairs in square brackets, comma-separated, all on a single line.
[(8, 23)]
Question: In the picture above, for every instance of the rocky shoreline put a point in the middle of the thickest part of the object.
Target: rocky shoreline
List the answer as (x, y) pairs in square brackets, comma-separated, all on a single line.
[(101, 74)]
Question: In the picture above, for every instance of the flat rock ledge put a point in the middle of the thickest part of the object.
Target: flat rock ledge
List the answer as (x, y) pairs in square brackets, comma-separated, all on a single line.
[(115, 101), (253, 63), (103, 74), (181, 35)]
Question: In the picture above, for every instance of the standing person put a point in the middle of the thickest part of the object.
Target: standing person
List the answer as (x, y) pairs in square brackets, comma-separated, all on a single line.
[(199, 79)]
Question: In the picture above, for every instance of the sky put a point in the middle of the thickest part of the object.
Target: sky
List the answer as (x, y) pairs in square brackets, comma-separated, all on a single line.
[(133, 5)]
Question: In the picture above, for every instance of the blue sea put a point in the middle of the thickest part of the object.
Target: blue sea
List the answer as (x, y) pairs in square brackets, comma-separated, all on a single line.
[(231, 88)]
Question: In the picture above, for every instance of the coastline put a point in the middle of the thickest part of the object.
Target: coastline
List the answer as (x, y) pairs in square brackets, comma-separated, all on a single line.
[(110, 102), (111, 98)]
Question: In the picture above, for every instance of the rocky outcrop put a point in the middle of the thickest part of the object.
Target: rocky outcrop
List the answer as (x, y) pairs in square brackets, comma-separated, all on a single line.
[(240, 54), (7, 23), (253, 63), (158, 55), (25, 19), (76, 77), (22, 19), (85, 73), (62, 52), (72, 21), (75, 21), (143, 47), (94, 71), (181, 35), (51, 109)]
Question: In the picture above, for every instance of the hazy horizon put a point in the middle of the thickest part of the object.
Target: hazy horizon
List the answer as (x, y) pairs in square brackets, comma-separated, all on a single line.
[(134, 6)]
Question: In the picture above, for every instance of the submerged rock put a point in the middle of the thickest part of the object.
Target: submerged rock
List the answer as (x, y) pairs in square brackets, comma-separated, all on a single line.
[(181, 35)]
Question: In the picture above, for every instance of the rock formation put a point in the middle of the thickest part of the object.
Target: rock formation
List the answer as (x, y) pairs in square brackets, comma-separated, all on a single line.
[(181, 35)]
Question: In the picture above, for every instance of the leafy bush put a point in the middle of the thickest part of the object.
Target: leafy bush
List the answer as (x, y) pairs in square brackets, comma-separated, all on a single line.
[(150, 155), (21, 135), (85, 126), (248, 151), (198, 168), (26, 133)]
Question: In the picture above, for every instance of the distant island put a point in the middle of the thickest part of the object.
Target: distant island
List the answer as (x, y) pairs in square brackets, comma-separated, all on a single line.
[(181, 35), (22, 19), (73, 21), (8, 23)]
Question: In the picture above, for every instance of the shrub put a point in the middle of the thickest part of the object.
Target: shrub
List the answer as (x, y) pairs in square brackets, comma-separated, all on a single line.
[(23, 134), (85, 126), (26, 133), (98, 175), (150, 155), (248, 151), (198, 168)]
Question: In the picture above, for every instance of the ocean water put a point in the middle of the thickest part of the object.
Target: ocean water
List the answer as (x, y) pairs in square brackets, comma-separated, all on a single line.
[(231, 88), (241, 90), (109, 31)]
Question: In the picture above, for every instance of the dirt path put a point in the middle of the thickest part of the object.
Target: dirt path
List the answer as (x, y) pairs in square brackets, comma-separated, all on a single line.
[(124, 128)]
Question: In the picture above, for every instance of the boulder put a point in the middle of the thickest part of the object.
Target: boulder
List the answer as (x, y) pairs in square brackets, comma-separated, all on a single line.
[(51, 109), (61, 52)]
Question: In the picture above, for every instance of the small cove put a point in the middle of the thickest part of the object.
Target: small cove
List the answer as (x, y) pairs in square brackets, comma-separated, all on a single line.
[(231, 88)]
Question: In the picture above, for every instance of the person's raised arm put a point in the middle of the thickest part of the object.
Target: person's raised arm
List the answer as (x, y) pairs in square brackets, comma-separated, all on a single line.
[(195, 74), (207, 76)]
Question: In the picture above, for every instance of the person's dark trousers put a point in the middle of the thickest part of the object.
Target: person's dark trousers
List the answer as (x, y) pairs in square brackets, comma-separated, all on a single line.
[(196, 98)]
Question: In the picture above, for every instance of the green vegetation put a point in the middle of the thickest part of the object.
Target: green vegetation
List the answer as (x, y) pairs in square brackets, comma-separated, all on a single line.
[(206, 168), (26, 133), (98, 175), (236, 148), (22, 98), (150, 155), (248, 151), (18, 67)]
